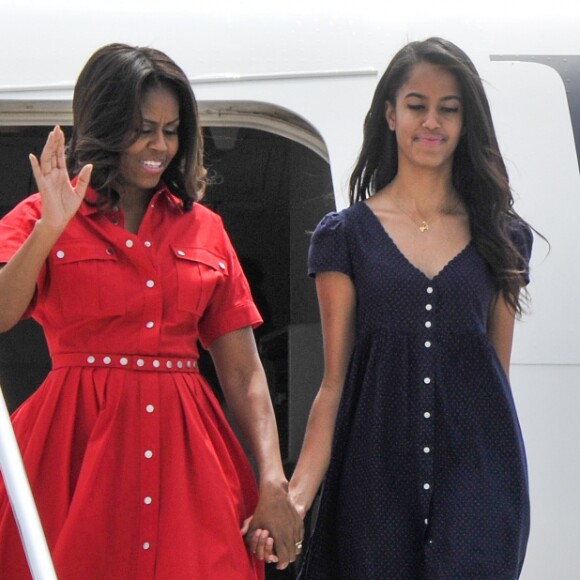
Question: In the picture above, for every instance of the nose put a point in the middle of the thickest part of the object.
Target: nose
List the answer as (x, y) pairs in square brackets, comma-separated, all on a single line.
[(158, 141), (431, 120)]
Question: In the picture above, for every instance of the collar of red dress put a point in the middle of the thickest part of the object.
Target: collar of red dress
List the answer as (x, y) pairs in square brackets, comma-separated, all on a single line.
[(162, 193)]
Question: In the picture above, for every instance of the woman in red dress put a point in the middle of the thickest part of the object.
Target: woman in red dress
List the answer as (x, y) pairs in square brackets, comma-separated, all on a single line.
[(135, 470)]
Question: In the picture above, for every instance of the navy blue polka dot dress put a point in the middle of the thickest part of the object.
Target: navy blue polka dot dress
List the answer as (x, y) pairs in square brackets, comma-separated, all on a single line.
[(428, 472)]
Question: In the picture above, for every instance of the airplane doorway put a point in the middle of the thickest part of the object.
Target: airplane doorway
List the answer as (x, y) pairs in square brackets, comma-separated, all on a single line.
[(271, 191)]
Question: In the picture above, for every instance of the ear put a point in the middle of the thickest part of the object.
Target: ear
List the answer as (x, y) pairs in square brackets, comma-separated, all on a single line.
[(390, 115)]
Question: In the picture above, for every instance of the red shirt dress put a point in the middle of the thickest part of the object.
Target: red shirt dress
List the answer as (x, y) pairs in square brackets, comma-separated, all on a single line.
[(134, 468)]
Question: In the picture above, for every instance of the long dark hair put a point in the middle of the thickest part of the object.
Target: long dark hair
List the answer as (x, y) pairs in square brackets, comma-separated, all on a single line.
[(107, 108), (479, 173)]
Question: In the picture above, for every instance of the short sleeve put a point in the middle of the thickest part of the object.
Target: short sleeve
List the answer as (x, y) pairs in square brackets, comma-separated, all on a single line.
[(15, 227), (523, 239), (328, 250), (231, 306)]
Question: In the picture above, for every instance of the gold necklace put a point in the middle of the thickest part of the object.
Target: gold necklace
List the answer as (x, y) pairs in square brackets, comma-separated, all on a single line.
[(424, 224)]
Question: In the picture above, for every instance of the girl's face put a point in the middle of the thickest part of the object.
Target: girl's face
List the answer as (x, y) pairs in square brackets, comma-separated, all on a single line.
[(427, 118), (143, 162)]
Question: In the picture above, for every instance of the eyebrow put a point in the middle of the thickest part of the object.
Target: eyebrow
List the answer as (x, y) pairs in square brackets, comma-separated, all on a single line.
[(155, 122), (422, 96)]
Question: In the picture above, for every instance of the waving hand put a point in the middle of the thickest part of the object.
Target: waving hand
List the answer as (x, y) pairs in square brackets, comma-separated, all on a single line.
[(60, 200)]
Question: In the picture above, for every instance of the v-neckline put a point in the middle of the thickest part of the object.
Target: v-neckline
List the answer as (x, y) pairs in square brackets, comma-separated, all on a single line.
[(405, 259)]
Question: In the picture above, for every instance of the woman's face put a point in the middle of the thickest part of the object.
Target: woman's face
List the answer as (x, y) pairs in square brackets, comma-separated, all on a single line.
[(143, 162), (427, 118)]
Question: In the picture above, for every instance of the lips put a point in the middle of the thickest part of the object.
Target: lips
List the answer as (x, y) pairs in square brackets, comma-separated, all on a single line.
[(431, 139), (153, 166)]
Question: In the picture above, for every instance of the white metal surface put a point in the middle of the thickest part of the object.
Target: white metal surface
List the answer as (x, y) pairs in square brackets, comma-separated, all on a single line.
[(22, 501)]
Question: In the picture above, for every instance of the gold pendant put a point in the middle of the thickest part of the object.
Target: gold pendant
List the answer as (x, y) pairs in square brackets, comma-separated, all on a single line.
[(424, 226)]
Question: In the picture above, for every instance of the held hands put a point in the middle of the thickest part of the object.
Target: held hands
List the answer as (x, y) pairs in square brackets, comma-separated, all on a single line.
[(260, 543), (60, 201), (275, 525)]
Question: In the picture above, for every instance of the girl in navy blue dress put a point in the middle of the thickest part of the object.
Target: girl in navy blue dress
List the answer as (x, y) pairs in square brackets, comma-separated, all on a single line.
[(414, 427)]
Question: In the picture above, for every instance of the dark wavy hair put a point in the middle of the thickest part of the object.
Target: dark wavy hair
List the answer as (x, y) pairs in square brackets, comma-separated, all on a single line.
[(107, 108), (479, 173)]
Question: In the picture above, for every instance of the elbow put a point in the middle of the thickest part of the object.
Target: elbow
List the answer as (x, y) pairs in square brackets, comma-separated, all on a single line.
[(7, 323), (5, 328), (11, 314)]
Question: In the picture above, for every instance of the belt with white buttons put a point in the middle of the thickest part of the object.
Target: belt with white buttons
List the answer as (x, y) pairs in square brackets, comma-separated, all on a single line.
[(134, 362)]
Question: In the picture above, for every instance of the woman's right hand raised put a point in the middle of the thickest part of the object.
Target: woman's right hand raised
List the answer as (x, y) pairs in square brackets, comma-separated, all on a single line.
[(60, 200)]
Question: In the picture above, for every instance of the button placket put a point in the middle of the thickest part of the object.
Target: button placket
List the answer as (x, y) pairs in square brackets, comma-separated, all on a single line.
[(149, 479), (427, 379), (149, 339), (140, 250)]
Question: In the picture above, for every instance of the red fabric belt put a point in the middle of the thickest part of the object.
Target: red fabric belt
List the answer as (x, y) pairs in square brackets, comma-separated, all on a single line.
[(134, 362)]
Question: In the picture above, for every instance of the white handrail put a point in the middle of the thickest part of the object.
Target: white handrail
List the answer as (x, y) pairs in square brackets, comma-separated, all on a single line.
[(20, 495)]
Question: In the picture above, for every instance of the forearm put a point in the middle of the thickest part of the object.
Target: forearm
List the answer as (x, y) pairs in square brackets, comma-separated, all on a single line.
[(19, 276), (250, 403), (244, 384), (315, 455)]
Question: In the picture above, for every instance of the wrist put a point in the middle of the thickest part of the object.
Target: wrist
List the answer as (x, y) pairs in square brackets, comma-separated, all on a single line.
[(298, 499), (271, 473), (277, 481), (47, 230)]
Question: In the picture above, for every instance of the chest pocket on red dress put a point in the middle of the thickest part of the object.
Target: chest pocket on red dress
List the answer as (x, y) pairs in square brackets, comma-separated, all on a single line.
[(86, 279), (199, 272)]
